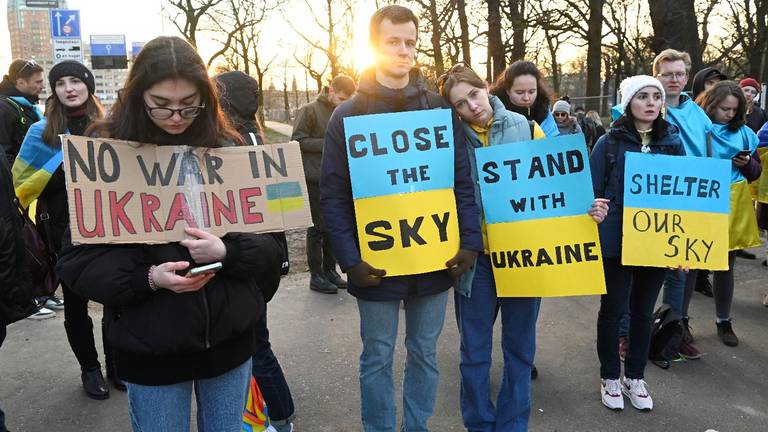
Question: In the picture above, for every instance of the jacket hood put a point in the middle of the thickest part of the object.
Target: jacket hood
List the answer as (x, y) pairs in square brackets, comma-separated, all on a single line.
[(397, 98), (7, 88), (239, 95), (697, 87)]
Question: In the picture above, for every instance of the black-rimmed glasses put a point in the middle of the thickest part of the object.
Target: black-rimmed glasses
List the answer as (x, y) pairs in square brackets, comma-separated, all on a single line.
[(162, 113)]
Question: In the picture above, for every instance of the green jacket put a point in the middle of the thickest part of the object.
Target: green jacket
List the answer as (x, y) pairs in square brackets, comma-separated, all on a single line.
[(309, 131)]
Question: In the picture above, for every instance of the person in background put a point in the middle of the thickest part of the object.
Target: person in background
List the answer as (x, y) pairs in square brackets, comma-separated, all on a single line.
[(704, 79), (641, 128), (566, 123), (580, 113), (38, 174), (521, 89), (309, 131), (762, 189), (239, 97), (593, 129), (756, 116), (177, 334)]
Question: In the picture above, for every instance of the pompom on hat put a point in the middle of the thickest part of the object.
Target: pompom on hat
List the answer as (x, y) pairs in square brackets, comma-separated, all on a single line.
[(630, 86)]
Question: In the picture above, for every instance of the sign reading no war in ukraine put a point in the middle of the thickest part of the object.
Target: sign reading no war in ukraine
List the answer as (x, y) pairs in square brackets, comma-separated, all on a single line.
[(676, 211), (536, 195), (401, 166), (127, 192)]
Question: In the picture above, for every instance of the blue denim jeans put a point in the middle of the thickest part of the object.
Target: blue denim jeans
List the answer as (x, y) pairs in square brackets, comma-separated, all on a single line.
[(220, 403), (674, 293), (424, 317), (475, 317)]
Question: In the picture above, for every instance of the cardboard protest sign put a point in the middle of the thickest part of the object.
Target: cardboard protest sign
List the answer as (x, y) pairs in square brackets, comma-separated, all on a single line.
[(676, 211), (128, 192), (401, 166), (536, 195)]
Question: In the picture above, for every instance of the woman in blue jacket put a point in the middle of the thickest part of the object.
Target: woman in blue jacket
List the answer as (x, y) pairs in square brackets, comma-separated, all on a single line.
[(487, 122), (640, 129)]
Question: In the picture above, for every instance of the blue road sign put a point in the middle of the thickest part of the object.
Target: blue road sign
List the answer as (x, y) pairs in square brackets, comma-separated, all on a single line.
[(136, 48), (108, 45), (65, 23)]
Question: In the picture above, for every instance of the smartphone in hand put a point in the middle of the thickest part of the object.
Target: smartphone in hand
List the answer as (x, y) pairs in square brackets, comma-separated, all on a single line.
[(206, 269)]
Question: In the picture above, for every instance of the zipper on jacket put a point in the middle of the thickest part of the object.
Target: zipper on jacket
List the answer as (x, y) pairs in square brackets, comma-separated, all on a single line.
[(207, 319)]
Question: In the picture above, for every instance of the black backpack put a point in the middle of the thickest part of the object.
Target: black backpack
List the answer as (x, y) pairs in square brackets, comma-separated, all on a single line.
[(666, 336)]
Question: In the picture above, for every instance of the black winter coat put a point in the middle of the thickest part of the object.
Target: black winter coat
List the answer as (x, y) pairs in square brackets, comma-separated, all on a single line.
[(14, 125)]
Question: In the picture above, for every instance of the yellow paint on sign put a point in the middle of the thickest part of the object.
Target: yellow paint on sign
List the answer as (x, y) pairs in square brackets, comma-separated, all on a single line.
[(671, 238), (551, 257), (409, 233)]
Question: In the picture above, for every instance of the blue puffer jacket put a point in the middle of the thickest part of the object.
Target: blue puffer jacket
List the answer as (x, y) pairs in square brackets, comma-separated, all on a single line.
[(336, 190), (507, 127), (608, 176)]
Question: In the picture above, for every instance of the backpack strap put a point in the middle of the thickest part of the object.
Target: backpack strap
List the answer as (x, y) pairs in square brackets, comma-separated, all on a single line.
[(16, 105)]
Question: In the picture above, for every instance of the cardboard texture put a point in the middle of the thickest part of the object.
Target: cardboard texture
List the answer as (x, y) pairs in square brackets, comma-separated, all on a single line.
[(128, 192)]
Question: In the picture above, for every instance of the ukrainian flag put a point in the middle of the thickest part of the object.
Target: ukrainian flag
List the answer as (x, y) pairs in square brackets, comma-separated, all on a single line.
[(284, 197), (35, 165)]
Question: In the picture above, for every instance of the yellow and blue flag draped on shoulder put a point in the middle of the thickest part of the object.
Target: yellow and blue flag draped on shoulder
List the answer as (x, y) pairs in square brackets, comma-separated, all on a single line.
[(402, 170), (535, 196), (676, 211), (35, 165), (726, 143)]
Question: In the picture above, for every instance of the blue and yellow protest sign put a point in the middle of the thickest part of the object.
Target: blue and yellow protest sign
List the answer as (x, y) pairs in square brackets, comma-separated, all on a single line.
[(676, 211), (536, 195), (401, 167)]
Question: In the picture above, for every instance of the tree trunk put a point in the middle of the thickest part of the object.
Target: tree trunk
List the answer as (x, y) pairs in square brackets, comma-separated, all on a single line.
[(437, 50), (675, 26), (495, 45), (519, 24), (594, 47), (464, 26)]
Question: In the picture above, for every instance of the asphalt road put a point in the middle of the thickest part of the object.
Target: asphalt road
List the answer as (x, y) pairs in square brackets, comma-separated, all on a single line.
[(316, 338)]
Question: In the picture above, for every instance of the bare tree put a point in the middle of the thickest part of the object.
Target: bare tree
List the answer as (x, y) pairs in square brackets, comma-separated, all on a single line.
[(309, 66), (515, 12), (188, 15), (336, 23), (745, 49), (675, 26), (496, 61)]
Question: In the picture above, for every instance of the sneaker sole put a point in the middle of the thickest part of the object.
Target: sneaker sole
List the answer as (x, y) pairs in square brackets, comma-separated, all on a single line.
[(632, 403), (616, 409)]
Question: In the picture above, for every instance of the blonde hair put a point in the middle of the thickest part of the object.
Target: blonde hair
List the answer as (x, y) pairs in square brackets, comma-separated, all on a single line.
[(671, 55), (594, 116)]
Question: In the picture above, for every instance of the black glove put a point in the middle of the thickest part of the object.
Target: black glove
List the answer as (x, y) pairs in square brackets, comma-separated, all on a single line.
[(461, 263), (364, 275)]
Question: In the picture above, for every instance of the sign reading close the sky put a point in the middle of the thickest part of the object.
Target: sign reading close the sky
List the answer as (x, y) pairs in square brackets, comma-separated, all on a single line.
[(536, 195), (126, 192), (676, 211), (401, 167)]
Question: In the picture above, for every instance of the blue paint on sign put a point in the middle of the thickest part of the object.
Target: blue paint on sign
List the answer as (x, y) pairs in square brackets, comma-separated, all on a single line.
[(65, 23)]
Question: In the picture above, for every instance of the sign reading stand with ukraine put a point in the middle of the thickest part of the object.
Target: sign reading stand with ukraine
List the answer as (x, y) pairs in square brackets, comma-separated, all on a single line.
[(676, 211), (536, 195), (401, 166)]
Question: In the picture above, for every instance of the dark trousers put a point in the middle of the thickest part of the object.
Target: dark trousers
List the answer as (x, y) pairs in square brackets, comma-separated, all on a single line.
[(2, 414), (722, 288), (269, 375), (319, 253), (79, 329), (641, 285)]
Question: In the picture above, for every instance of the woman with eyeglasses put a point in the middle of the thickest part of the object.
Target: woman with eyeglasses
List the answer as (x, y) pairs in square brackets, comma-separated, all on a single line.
[(174, 334), (566, 123), (39, 175), (521, 89), (487, 122)]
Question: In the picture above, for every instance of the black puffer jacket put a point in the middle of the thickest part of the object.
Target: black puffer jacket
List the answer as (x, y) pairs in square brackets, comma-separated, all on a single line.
[(239, 96), (14, 124)]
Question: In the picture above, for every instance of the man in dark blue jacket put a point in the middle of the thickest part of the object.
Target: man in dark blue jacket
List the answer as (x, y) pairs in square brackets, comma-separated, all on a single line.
[(393, 85)]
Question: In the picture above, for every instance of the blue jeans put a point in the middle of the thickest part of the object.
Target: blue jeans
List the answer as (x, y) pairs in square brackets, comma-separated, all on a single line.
[(424, 317), (269, 375), (475, 317), (674, 293), (220, 403)]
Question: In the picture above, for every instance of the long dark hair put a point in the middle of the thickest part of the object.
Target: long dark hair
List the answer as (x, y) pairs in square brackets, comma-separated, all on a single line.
[(715, 95), (56, 119), (659, 125), (160, 59), (540, 108)]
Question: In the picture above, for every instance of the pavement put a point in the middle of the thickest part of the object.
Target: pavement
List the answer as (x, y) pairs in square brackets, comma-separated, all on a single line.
[(315, 336), (281, 128)]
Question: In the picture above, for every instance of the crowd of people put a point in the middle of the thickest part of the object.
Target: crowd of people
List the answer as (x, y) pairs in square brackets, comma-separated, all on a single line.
[(166, 335)]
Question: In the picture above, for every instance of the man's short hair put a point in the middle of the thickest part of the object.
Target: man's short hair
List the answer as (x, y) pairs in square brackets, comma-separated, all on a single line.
[(344, 84), (671, 55), (395, 13), (22, 68)]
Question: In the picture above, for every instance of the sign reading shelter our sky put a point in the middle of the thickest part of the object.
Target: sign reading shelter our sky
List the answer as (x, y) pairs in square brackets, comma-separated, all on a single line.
[(401, 167), (536, 195), (676, 211)]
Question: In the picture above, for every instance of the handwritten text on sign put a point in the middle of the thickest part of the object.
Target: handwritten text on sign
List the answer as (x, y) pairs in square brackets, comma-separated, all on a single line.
[(536, 195), (676, 211), (401, 167), (126, 192)]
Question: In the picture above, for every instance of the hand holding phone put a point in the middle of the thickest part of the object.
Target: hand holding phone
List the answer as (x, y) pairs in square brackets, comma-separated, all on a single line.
[(744, 153), (206, 269)]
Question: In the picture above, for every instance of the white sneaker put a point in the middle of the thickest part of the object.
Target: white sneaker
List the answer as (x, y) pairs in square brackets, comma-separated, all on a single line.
[(42, 313), (54, 303), (637, 393), (610, 392)]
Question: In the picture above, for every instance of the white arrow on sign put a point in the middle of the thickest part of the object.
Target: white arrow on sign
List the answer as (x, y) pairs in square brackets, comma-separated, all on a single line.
[(109, 49), (71, 18), (58, 22)]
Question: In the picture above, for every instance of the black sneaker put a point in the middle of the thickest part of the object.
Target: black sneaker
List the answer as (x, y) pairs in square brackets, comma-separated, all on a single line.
[(534, 372), (335, 279), (741, 253), (320, 284), (94, 385), (726, 334), (703, 285)]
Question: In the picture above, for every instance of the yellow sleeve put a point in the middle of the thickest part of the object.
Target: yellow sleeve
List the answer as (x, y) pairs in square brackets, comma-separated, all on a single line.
[(538, 133)]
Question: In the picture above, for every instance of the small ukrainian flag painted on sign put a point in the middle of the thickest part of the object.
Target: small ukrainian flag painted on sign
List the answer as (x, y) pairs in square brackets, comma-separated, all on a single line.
[(284, 197)]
